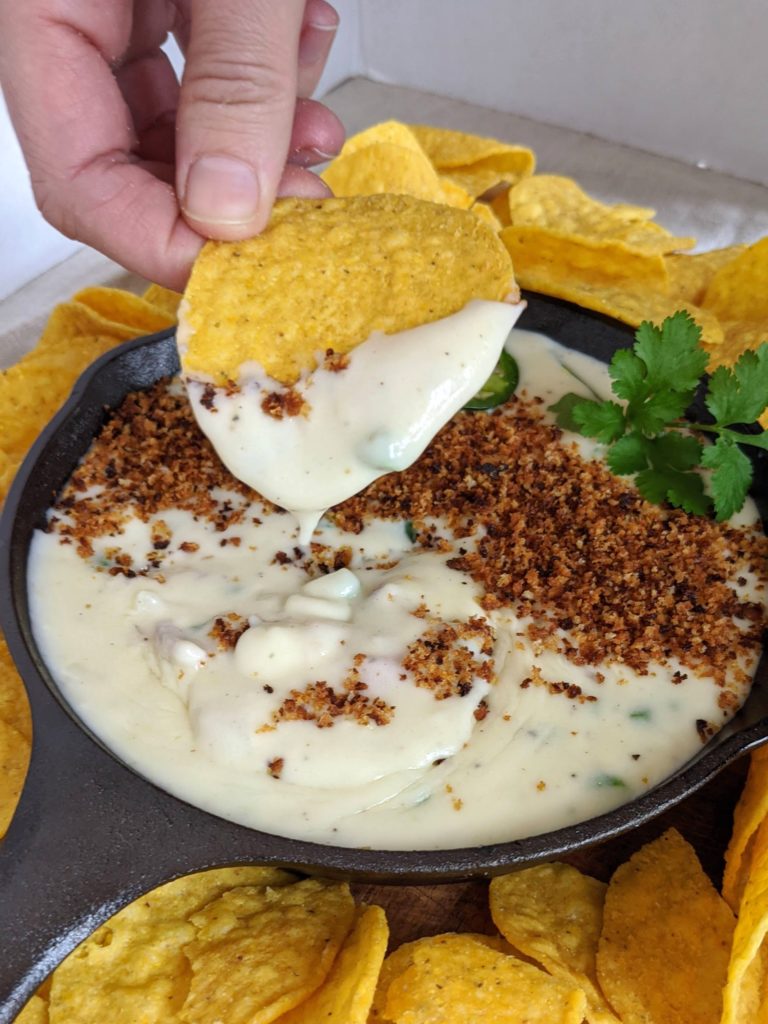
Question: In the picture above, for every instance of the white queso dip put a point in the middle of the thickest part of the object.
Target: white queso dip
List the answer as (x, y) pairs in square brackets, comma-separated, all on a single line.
[(494, 639)]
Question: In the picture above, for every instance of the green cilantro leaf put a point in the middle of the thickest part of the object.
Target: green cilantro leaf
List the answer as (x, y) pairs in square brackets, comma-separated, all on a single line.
[(602, 420), (740, 394), (563, 410), (653, 485), (677, 451), (659, 410), (684, 490), (671, 353), (628, 455), (731, 476), (628, 375), (657, 380)]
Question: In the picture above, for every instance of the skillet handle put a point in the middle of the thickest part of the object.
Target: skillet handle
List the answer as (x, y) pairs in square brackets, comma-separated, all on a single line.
[(88, 836)]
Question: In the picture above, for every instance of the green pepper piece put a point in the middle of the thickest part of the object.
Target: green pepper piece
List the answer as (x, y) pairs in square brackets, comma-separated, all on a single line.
[(499, 385)]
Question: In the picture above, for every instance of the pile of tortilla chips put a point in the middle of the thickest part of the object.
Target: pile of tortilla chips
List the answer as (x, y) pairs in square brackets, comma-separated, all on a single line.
[(657, 945), (615, 259), (254, 945)]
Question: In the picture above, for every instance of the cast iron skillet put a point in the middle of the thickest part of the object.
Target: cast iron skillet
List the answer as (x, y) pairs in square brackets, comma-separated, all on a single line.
[(90, 835)]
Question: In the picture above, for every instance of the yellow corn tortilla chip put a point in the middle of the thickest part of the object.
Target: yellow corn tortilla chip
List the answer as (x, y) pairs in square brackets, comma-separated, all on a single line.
[(737, 295), (485, 213), (33, 389), (599, 276), (745, 991), (455, 978), (35, 1012), (540, 251), (394, 132), (481, 177), (454, 194), (690, 273), (738, 291), (750, 812), (116, 306), (384, 167), (133, 968), (14, 761), (402, 958), (346, 995), (327, 273), (557, 203), (260, 951), (663, 952), (15, 736), (164, 299), (14, 706), (448, 149), (553, 913)]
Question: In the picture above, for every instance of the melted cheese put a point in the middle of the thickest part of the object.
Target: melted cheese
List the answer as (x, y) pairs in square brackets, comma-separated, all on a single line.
[(204, 723)]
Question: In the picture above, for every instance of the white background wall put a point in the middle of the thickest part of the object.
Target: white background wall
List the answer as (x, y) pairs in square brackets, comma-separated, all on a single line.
[(683, 78)]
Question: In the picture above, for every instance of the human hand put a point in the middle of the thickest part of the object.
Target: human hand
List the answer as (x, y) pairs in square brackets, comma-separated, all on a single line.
[(123, 158)]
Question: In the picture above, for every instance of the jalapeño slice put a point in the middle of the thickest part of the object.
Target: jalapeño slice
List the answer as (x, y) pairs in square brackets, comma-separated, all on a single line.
[(499, 385)]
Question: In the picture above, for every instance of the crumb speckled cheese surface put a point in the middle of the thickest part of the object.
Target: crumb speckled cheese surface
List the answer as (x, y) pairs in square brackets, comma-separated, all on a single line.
[(500, 640)]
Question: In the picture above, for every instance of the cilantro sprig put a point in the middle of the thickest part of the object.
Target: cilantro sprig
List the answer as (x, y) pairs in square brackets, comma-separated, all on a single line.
[(646, 433)]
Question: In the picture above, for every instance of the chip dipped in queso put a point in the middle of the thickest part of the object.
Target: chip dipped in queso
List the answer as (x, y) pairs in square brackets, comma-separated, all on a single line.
[(493, 638)]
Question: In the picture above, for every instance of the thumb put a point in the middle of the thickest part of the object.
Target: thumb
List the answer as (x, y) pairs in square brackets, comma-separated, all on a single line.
[(236, 112)]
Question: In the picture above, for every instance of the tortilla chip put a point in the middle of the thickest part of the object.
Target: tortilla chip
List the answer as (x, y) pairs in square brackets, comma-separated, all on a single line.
[(14, 706), (745, 990), (346, 995), (35, 1012), (327, 273), (163, 299), (133, 968), (260, 951), (449, 149), (14, 761), (15, 736), (690, 273), (482, 177), (604, 276), (485, 212), (454, 194), (455, 978), (119, 307), (750, 812), (394, 132), (738, 291), (553, 913), (384, 168), (557, 203), (663, 952), (540, 252), (33, 389), (402, 958)]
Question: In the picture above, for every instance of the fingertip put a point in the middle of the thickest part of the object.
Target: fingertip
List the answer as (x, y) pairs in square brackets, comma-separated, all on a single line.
[(296, 181), (317, 134), (321, 15)]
